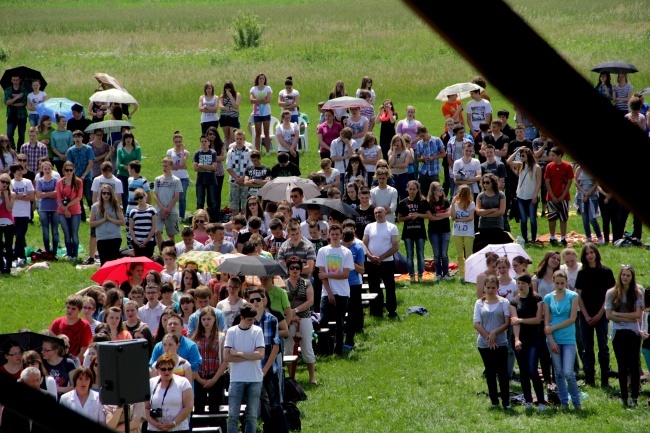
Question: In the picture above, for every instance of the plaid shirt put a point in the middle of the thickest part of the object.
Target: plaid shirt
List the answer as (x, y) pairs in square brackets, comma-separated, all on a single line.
[(432, 148), (18, 112), (239, 160), (33, 153), (269, 325), (210, 355)]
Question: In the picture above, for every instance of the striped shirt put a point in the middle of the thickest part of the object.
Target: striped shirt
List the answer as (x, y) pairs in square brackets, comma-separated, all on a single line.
[(142, 222), (134, 184)]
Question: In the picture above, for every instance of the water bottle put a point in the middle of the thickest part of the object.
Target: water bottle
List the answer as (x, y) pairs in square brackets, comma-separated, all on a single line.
[(521, 241)]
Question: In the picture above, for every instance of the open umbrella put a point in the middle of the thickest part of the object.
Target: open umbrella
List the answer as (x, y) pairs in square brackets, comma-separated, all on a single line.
[(460, 89), (204, 260), (327, 205), (26, 74), (345, 102), (615, 67), (107, 82), (115, 270), (280, 188), (252, 265), (644, 91), (26, 340), (218, 260), (475, 264), (109, 126), (54, 106), (113, 95)]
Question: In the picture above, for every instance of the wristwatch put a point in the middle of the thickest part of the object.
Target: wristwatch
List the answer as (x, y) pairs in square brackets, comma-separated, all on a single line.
[(296, 310)]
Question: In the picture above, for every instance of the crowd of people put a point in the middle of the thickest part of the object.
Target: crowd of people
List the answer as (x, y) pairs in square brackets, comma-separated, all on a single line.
[(466, 185)]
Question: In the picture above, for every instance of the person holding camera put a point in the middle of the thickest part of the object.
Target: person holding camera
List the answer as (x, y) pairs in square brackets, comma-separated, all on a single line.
[(69, 192), (171, 399)]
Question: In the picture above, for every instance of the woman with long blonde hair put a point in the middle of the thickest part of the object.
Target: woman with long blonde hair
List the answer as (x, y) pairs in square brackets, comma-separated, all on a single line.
[(399, 158), (462, 213)]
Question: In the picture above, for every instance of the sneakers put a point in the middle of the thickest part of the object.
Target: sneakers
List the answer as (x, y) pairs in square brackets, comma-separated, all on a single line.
[(420, 280), (19, 262), (89, 261), (528, 406), (347, 348), (563, 242), (412, 279), (541, 407), (601, 240), (392, 314), (634, 402)]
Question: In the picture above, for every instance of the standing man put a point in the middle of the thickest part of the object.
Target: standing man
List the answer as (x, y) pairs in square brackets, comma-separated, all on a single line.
[(257, 174), (34, 149), (334, 263), (79, 122), (384, 195), (16, 102), (478, 110), (298, 246), (237, 161), (167, 191), (244, 351), (428, 151), (205, 166), (23, 198), (83, 158), (381, 241), (455, 152), (296, 197), (558, 176)]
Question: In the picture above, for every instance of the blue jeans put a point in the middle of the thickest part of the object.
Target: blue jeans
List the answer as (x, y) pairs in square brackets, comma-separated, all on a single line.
[(587, 333), (587, 218), (236, 394), (528, 358), (527, 211), (419, 246), (50, 222), (33, 119), (564, 376), (70, 227), (440, 245), (212, 197), (182, 197), (400, 183), (21, 224)]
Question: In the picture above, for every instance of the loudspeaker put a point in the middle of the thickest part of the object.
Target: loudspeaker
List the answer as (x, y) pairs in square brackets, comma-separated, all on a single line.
[(124, 371)]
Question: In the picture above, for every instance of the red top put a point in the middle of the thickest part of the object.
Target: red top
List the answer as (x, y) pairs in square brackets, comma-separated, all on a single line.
[(329, 133), (560, 176), (67, 191), (79, 334)]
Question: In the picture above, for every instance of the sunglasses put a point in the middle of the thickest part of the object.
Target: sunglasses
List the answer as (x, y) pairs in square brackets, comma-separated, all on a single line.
[(630, 267), (140, 197), (486, 182), (22, 160), (69, 170), (165, 368), (212, 134), (294, 268), (254, 300), (253, 203), (107, 193), (200, 221), (4, 141), (6, 182)]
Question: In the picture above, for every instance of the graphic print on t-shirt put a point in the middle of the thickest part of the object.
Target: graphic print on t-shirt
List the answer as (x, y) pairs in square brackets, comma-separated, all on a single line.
[(334, 263), (478, 114)]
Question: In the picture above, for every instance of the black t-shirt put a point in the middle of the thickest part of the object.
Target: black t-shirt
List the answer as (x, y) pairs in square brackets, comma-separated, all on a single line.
[(594, 283), (242, 238), (205, 177), (527, 309), (496, 168), (508, 130), (413, 229), (81, 125), (352, 203), (439, 226), (498, 143), (365, 217), (290, 169)]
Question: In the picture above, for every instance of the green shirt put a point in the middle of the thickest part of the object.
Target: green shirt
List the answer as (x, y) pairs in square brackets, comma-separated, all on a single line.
[(124, 158), (279, 298)]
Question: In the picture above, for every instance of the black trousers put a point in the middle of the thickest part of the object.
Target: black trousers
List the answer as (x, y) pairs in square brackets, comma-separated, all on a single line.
[(384, 272)]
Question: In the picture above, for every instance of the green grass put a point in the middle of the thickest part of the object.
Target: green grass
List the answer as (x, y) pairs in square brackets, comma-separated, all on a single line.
[(421, 372)]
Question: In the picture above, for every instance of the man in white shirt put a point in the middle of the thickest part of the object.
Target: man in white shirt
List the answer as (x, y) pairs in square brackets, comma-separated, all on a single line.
[(342, 148), (384, 195), (455, 152), (467, 170), (150, 312), (381, 241), (478, 110), (334, 262)]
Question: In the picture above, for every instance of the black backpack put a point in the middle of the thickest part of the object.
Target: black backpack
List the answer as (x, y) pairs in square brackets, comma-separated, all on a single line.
[(292, 415), (293, 390)]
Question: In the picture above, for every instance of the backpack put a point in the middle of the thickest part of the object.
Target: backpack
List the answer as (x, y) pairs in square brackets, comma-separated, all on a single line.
[(292, 415), (293, 390)]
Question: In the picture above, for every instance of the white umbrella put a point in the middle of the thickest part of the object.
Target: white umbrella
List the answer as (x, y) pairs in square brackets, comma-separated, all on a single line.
[(461, 89), (475, 264), (113, 95), (280, 188), (345, 102)]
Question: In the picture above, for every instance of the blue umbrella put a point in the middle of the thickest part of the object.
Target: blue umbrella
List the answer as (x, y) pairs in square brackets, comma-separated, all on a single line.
[(54, 106)]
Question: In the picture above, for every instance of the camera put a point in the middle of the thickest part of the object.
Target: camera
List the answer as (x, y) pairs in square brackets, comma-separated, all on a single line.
[(155, 413), (65, 201)]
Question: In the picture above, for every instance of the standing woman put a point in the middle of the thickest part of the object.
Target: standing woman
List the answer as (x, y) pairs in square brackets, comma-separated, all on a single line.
[(69, 191), (370, 153), (142, 226), (622, 93), (222, 152), (229, 109), (387, 118), (254, 209), (260, 97), (289, 99), (7, 155), (560, 313), (462, 212), (356, 172), (604, 86), (171, 393), (409, 127), (208, 108), (490, 207), (412, 211), (351, 195), (543, 278), (116, 325), (439, 231), (340, 114), (130, 151), (490, 269), (327, 131), (179, 156), (525, 317), (288, 135), (107, 219), (368, 112), (624, 307), (528, 187), (491, 319), (33, 99), (399, 159), (7, 227), (45, 132), (231, 305), (587, 200)]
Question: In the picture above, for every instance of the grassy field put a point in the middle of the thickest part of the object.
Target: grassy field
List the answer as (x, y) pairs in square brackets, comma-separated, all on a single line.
[(413, 374)]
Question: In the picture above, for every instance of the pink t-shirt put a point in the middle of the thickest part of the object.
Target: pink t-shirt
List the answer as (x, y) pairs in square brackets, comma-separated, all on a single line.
[(329, 133), (67, 191)]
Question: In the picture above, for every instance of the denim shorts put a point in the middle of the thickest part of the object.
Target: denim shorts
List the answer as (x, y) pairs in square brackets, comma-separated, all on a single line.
[(258, 119)]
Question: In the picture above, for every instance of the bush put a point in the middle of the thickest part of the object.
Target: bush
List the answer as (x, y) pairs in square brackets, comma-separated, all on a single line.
[(247, 30), (5, 52)]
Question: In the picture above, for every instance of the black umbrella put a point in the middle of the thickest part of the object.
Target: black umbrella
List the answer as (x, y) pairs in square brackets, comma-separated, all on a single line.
[(26, 74), (26, 340), (328, 205), (615, 67), (252, 266)]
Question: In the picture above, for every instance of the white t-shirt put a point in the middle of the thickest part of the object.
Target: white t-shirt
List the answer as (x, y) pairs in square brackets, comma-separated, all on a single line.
[(332, 177), (208, 117), (245, 340), (338, 148), (380, 237), (176, 159), (370, 153), (463, 228), (372, 95), (287, 135), (335, 260), (112, 181), (173, 400), (261, 109), (22, 208), (290, 97), (323, 226), (471, 169), (36, 99), (478, 111), (299, 213)]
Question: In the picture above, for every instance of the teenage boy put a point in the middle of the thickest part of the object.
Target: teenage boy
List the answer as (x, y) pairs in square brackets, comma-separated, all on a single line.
[(77, 329), (298, 246), (106, 177), (82, 156), (478, 110), (296, 197), (244, 351), (557, 177), (455, 152), (150, 312), (497, 139), (257, 175), (188, 243), (205, 165), (354, 323), (274, 241), (334, 264), (167, 191), (508, 130), (284, 167), (491, 165), (187, 349), (429, 151), (237, 161), (136, 181), (384, 195), (16, 102), (78, 121), (23, 198), (467, 170), (33, 149), (313, 214), (341, 149), (218, 241)]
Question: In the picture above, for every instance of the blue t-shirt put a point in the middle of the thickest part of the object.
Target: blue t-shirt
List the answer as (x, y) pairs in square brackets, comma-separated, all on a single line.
[(358, 256), (560, 311)]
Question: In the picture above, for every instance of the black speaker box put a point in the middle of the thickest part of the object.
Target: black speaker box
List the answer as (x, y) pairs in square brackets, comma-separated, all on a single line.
[(124, 372)]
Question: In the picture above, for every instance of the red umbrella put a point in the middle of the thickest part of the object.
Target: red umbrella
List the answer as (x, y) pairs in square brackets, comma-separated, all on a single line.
[(115, 270)]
